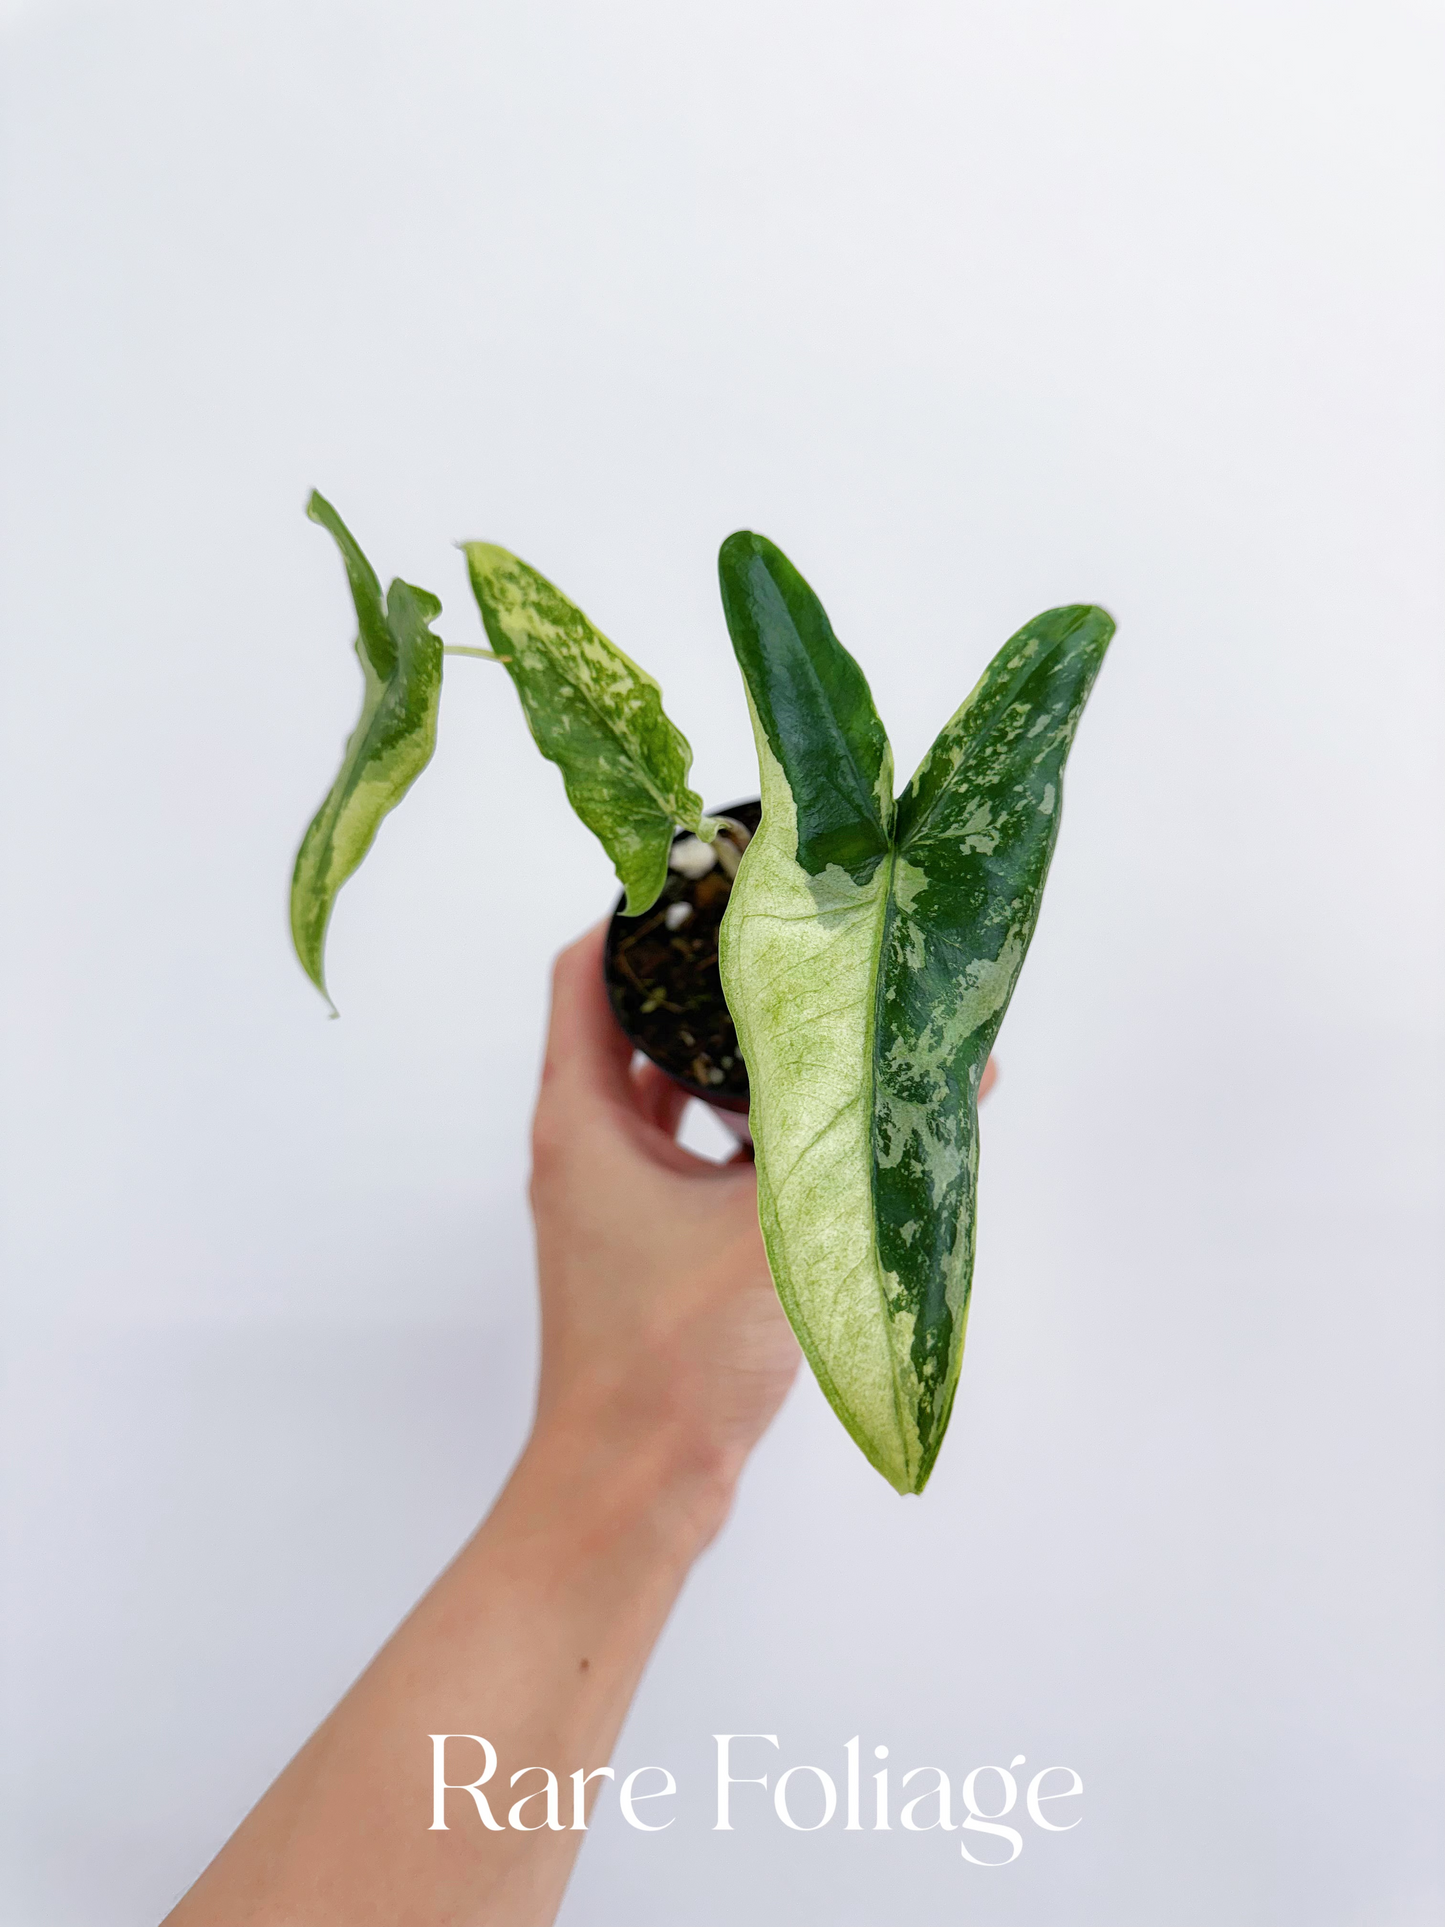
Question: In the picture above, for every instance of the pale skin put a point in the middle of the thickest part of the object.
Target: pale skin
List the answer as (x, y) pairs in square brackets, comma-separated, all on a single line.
[(665, 1355)]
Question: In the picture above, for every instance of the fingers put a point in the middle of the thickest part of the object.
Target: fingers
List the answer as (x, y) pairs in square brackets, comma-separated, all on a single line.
[(658, 1098), (586, 1050)]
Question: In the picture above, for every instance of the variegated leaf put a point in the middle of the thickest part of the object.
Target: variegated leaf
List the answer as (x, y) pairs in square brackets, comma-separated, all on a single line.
[(401, 664), (596, 715), (868, 991)]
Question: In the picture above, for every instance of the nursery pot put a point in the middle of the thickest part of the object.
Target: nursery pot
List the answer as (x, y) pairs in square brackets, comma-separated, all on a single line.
[(663, 983)]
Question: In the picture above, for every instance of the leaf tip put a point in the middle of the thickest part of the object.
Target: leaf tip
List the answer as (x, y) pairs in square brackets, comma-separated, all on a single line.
[(315, 968), (1098, 617), (319, 979), (485, 554), (428, 607), (639, 900)]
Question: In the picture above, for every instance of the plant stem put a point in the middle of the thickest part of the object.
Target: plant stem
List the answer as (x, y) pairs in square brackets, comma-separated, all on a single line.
[(464, 649), (732, 839)]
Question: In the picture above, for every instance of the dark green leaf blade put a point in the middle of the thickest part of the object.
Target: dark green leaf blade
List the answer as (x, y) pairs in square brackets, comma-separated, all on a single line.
[(976, 832), (595, 714), (401, 664), (814, 706)]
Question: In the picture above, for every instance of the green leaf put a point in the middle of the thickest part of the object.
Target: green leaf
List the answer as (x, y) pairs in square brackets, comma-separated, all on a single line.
[(814, 707), (596, 715), (975, 836), (401, 663), (866, 1005)]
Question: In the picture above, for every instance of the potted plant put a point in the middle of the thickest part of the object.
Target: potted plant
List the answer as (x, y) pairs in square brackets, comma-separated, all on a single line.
[(868, 944)]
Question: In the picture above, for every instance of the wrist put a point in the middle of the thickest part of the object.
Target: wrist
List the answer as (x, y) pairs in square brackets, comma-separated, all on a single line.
[(607, 1477)]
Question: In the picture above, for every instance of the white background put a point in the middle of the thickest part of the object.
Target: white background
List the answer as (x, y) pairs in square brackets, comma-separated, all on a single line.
[(975, 308)]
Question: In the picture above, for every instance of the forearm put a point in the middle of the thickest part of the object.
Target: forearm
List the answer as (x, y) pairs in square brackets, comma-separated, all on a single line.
[(535, 1638), (664, 1355)]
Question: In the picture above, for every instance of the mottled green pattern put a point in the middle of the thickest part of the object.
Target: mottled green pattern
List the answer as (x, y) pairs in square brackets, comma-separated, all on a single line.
[(596, 715), (401, 663), (866, 1010), (975, 832)]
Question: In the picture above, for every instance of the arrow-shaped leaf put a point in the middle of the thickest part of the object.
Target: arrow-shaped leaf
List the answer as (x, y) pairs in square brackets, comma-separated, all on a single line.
[(868, 990), (401, 663), (596, 715)]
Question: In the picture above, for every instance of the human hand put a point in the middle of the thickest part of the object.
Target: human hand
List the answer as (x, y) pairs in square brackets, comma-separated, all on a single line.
[(661, 1330), (665, 1353)]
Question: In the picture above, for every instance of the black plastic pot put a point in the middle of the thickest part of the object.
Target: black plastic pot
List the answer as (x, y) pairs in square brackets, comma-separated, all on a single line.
[(663, 984)]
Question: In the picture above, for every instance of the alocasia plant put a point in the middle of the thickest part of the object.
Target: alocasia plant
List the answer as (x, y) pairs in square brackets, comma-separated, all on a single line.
[(869, 948)]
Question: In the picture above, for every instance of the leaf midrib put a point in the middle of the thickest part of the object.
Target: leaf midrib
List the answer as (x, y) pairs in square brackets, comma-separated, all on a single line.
[(875, 998)]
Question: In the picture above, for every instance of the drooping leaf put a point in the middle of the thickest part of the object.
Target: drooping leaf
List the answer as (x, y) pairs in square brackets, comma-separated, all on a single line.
[(401, 665), (596, 715), (867, 1001)]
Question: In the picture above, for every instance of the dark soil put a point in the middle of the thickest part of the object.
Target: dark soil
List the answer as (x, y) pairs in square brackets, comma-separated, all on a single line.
[(665, 988)]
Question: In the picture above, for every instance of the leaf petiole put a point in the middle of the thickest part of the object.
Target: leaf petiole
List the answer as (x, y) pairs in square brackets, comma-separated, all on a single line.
[(465, 649), (731, 839)]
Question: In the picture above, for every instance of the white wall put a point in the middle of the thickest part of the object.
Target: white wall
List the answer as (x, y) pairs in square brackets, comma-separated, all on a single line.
[(975, 308)]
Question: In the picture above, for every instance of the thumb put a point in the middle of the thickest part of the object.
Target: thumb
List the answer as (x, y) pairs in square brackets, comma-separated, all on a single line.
[(587, 1054)]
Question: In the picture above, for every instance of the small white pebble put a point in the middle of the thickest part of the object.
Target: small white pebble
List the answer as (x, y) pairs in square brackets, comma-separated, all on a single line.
[(714, 1076), (677, 915), (691, 857)]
